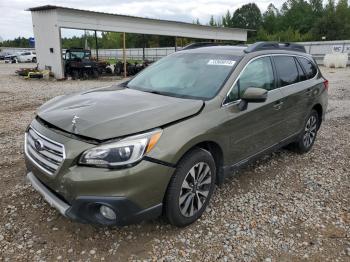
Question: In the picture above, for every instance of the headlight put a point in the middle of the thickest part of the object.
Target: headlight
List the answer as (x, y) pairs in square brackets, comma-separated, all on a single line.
[(124, 152)]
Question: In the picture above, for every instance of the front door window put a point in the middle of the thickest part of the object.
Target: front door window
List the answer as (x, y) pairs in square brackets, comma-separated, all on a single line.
[(258, 73)]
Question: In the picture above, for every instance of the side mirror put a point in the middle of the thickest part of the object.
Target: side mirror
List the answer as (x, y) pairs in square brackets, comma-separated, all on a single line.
[(252, 95)]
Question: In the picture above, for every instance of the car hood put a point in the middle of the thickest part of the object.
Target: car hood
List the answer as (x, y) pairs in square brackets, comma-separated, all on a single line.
[(114, 111)]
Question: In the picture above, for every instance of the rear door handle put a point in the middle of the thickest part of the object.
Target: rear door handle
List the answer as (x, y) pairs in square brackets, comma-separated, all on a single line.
[(278, 105)]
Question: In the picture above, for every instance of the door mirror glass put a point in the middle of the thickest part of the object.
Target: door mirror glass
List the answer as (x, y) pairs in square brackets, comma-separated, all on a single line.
[(255, 95)]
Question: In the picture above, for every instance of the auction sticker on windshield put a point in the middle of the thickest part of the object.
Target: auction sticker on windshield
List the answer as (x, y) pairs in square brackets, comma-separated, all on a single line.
[(221, 62)]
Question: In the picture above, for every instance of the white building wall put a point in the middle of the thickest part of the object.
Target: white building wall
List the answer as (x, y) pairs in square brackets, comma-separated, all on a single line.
[(48, 41)]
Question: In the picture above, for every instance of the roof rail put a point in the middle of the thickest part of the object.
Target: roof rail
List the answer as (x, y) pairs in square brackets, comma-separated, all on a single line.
[(258, 46), (203, 44)]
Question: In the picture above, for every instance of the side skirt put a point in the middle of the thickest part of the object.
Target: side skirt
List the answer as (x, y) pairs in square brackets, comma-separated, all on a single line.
[(229, 169)]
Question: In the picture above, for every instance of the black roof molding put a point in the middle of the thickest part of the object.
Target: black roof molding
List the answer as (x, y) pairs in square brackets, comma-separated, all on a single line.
[(259, 46)]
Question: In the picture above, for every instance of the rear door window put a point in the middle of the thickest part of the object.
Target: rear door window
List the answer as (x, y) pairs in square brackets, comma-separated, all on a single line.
[(308, 66), (287, 70)]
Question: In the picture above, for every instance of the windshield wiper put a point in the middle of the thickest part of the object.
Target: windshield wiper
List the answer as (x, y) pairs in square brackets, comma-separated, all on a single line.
[(171, 94), (164, 93), (155, 92)]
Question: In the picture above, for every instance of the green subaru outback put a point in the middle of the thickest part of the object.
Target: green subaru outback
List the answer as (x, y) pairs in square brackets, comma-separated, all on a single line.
[(159, 143)]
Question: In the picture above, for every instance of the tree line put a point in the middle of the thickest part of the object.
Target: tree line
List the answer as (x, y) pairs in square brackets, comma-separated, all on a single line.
[(296, 20)]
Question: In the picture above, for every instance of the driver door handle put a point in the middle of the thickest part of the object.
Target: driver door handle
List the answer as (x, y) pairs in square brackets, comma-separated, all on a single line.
[(308, 92), (278, 105)]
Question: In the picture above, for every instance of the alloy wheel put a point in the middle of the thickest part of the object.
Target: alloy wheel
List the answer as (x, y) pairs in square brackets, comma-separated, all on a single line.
[(310, 131), (195, 189)]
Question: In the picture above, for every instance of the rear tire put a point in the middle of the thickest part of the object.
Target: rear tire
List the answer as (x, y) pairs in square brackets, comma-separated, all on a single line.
[(307, 137), (190, 188), (34, 60)]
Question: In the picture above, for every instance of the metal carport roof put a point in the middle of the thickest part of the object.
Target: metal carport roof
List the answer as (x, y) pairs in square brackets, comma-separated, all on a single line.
[(49, 19)]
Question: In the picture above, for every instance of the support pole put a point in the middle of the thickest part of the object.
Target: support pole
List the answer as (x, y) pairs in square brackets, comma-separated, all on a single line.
[(175, 39), (143, 47), (96, 45), (124, 55)]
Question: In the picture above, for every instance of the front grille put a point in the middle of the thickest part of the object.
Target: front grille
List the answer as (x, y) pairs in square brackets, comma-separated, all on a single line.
[(45, 153)]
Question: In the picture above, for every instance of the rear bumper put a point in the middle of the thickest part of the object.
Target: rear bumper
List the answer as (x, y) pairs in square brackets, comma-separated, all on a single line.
[(85, 209)]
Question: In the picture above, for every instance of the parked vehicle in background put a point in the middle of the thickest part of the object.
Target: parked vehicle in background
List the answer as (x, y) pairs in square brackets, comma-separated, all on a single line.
[(11, 58), (131, 68), (3, 55), (27, 56), (21, 57), (79, 64), (159, 143)]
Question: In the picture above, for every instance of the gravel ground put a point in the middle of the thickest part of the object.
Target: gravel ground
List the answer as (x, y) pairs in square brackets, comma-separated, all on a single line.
[(285, 207)]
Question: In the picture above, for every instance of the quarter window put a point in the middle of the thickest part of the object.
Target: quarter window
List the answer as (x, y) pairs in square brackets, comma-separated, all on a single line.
[(286, 69), (258, 73), (309, 67), (302, 75)]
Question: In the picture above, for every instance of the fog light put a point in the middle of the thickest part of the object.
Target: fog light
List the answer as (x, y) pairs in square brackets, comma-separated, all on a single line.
[(108, 212)]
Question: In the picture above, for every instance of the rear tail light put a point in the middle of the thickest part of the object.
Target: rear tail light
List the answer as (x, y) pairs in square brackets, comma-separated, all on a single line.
[(325, 82)]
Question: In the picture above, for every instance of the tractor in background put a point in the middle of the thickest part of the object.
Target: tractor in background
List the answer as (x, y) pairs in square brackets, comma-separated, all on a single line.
[(79, 64)]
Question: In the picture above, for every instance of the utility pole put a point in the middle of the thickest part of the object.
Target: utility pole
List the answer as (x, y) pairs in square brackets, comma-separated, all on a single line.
[(143, 47), (175, 39), (96, 45), (124, 55)]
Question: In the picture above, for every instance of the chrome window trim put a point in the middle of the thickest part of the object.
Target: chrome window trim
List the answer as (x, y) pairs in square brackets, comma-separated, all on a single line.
[(261, 56), (35, 162)]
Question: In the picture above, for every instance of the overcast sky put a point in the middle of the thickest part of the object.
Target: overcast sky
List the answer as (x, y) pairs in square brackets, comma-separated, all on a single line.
[(15, 21)]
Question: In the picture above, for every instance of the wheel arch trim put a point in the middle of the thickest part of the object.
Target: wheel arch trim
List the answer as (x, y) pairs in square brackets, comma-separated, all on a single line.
[(211, 146)]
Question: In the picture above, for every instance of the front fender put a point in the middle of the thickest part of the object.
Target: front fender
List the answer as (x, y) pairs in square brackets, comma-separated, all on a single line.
[(179, 138)]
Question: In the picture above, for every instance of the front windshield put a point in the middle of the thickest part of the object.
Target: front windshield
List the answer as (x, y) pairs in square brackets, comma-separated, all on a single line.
[(187, 75), (79, 55)]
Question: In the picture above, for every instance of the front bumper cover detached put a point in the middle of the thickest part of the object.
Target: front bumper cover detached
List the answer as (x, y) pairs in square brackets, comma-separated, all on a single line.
[(85, 209)]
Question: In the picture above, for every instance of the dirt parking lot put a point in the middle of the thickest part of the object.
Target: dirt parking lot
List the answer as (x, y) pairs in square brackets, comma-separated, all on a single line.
[(285, 207)]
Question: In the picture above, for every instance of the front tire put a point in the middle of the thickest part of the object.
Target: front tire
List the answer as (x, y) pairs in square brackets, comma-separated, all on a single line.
[(75, 74), (190, 188), (95, 74), (85, 76), (307, 137)]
